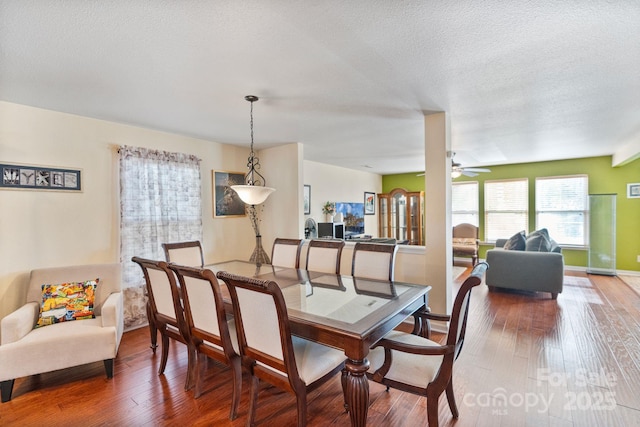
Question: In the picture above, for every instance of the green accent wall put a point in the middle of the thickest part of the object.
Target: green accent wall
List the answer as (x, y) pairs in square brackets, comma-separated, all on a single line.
[(603, 178)]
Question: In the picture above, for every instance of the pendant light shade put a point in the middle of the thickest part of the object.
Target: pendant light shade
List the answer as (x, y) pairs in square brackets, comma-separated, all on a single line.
[(253, 194)]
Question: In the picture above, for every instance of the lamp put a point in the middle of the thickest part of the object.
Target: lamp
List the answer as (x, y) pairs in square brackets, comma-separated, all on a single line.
[(254, 192)]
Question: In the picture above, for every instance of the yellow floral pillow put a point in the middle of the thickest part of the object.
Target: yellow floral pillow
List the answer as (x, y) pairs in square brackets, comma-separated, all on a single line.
[(67, 301)]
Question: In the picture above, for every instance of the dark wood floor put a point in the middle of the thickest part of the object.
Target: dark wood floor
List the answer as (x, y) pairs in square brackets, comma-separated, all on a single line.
[(528, 360)]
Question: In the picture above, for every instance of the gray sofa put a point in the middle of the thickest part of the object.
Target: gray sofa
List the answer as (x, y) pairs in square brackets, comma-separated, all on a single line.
[(525, 270)]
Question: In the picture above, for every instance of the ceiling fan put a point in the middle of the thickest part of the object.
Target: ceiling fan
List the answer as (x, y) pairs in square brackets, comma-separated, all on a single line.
[(457, 169)]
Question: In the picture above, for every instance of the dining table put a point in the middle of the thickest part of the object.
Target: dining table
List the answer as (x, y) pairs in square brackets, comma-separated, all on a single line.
[(345, 312)]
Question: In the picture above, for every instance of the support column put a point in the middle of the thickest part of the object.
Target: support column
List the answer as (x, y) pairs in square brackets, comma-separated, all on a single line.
[(437, 209)]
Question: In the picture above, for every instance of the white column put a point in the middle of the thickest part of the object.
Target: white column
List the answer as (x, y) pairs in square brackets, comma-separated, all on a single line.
[(437, 208)]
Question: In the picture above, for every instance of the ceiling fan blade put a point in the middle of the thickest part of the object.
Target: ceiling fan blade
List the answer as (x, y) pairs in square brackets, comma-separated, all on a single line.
[(468, 173), (420, 174), (477, 170)]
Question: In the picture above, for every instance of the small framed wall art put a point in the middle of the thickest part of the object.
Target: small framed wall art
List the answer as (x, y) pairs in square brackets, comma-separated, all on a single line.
[(27, 177), (307, 199), (633, 191), (226, 202), (369, 203)]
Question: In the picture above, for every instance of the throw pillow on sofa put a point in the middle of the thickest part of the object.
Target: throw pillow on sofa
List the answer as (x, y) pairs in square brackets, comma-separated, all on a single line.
[(539, 241), (517, 242)]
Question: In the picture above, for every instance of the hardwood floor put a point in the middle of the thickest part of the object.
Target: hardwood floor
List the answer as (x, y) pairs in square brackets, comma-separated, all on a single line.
[(528, 360)]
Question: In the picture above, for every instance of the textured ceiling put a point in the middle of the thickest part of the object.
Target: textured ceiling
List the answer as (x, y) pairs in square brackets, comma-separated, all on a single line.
[(351, 80)]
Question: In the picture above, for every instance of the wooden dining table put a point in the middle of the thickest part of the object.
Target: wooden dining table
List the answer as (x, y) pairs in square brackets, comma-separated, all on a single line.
[(341, 311)]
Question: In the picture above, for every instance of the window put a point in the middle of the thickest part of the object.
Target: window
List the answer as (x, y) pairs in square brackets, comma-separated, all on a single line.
[(464, 203), (160, 201), (562, 208), (506, 208)]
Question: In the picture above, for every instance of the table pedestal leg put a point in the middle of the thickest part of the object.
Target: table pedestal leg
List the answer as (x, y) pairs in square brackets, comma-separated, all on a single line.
[(357, 391)]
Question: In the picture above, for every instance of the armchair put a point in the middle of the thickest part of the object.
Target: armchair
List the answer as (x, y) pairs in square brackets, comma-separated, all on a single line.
[(465, 241), (27, 351)]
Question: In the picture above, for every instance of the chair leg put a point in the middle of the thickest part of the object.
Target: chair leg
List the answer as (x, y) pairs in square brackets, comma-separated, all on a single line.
[(108, 367), (253, 400), (7, 389), (153, 330), (236, 373), (165, 353), (191, 367), (302, 409), (201, 364), (451, 398), (432, 409)]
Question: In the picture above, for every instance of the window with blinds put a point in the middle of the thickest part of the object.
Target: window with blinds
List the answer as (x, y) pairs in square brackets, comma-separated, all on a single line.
[(562, 207), (506, 208), (464, 203)]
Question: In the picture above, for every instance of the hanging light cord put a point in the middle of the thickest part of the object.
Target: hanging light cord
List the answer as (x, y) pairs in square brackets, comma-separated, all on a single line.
[(254, 163)]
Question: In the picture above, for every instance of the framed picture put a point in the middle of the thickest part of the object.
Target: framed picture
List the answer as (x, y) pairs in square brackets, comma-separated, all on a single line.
[(27, 177), (633, 191), (226, 202), (307, 199), (369, 203)]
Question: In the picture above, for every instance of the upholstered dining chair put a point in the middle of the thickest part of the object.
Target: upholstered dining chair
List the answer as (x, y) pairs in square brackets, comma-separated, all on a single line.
[(374, 261), (324, 256), (286, 252), (184, 253), (418, 365), (269, 350), (212, 335), (165, 305)]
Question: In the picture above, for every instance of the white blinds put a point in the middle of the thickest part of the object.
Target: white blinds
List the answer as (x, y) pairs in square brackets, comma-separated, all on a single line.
[(506, 205), (562, 208), (464, 203)]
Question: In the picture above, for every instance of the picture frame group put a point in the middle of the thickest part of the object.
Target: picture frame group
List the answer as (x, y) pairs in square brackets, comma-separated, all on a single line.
[(31, 177)]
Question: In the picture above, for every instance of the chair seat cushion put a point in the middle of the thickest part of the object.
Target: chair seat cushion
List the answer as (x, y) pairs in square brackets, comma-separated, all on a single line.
[(314, 360), (414, 369), (58, 346)]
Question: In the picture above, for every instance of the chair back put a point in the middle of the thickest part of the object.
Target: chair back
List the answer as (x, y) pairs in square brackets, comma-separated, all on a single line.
[(184, 253), (324, 256), (374, 261), (163, 293), (465, 230), (263, 329), (458, 322), (204, 308), (286, 253)]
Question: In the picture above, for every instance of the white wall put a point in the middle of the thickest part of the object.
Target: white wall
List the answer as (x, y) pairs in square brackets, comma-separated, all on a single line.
[(46, 228), (336, 184)]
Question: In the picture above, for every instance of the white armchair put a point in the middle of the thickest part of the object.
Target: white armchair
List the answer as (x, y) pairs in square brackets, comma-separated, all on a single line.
[(27, 351)]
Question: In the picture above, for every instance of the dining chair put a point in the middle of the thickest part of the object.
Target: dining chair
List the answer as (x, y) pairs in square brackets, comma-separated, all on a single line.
[(184, 253), (324, 256), (212, 334), (269, 351), (165, 305), (286, 252), (418, 365), (374, 261)]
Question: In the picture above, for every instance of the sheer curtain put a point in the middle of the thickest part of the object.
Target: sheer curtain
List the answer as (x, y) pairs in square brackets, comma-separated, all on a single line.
[(160, 201)]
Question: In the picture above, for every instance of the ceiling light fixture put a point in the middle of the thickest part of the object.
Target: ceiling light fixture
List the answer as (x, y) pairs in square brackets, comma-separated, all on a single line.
[(254, 192)]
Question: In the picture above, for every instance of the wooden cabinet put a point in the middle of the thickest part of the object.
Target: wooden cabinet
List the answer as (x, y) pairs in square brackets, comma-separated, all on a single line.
[(400, 216)]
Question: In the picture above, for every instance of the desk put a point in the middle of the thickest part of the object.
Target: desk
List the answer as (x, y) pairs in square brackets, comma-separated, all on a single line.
[(333, 310)]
